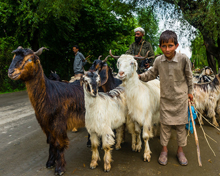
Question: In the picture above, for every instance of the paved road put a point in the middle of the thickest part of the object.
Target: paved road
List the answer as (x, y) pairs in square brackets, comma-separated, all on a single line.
[(24, 152)]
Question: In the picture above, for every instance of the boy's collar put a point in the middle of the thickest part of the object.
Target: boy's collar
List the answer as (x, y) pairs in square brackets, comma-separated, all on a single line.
[(174, 59)]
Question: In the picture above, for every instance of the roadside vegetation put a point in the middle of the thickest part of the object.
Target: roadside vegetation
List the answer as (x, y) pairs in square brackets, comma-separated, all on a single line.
[(97, 26)]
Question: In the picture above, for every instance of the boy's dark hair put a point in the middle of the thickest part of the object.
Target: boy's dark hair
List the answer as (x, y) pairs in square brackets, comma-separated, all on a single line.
[(167, 35), (77, 47)]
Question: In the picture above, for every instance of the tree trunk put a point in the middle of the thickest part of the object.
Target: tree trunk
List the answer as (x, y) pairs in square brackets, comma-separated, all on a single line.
[(212, 51), (211, 61)]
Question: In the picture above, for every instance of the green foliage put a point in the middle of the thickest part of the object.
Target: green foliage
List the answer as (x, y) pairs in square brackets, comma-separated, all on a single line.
[(7, 44), (199, 52), (96, 26), (147, 20), (158, 51)]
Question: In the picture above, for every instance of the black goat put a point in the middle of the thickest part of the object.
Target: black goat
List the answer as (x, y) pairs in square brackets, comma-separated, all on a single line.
[(108, 82)]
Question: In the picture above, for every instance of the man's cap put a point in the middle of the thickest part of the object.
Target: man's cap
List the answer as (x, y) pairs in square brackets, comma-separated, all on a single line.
[(139, 29)]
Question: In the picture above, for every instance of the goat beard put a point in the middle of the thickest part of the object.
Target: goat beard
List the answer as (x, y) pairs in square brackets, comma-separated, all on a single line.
[(137, 39)]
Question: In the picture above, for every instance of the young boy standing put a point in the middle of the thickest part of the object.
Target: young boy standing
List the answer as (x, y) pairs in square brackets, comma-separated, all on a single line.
[(175, 89)]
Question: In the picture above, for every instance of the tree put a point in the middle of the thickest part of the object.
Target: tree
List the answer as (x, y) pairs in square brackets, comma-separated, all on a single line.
[(199, 52), (95, 25)]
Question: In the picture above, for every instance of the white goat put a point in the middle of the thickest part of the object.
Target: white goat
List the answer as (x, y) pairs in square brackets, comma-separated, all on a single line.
[(206, 97), (143, 101), (104, 112)]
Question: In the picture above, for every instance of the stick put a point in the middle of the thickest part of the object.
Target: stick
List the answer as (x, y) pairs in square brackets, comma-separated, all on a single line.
[(195, 135)]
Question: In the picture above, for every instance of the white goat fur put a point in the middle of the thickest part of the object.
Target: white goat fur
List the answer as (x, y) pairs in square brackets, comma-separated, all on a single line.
[(143, 100), (105, 112)]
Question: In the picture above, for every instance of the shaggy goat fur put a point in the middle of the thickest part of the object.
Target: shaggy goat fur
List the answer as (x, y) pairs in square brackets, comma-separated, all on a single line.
[(108, 82), (206, 97), (58, 106), (104, 112), (143, 101), (205, 76)]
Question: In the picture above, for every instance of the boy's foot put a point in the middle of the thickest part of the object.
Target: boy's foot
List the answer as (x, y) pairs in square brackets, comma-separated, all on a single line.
[(163, 158), (182, 159)]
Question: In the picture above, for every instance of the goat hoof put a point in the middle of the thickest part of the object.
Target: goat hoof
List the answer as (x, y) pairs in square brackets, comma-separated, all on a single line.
[(216, 124), (138, 148), (93, 164), (133, 147), (147, 156), (117, 147), (107, 167), (50, 164), (59, 172)]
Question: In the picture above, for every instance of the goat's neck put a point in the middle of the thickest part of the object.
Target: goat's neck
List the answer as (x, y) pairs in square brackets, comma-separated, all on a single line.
[(36, 88), (132, 82)]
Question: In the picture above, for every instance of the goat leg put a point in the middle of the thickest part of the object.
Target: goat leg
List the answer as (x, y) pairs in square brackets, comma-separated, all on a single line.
[(131, 130), (95, 153), (119, 137), (147, 152), (138, 132), (52, 157), (147, 133), (214, 121), (60, 162), (107, 159)]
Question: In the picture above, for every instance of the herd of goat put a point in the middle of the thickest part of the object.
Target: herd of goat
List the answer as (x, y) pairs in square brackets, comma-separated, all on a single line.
[(101, 103)]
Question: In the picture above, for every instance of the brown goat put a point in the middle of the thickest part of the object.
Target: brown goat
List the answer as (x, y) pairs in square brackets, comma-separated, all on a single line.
[(55, 77), (58, 106)]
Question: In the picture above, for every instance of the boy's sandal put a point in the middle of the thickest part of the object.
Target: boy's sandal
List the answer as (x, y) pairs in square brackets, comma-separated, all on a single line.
[(182, 159), (163, 158)]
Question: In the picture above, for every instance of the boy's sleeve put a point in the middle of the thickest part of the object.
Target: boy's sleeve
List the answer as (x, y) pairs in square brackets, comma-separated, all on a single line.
[(150, 74), (188, 73)]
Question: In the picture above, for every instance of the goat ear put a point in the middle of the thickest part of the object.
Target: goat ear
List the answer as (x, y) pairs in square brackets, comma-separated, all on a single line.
[(104, 74), (134, 64), (35, 58)]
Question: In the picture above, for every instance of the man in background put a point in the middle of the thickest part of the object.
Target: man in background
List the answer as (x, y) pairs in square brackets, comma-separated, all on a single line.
[(140, 47), (79, 63)]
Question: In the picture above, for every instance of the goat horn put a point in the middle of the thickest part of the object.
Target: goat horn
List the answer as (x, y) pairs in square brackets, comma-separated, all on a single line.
[(105, 60), (85, 72), (51, 71), (39, 52), (115, 57), (142, 58), (99, 57), (20, 47)]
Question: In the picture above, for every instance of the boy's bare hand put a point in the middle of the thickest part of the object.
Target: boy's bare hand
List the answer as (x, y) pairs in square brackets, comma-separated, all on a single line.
[(190, 96), (139, 76)]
